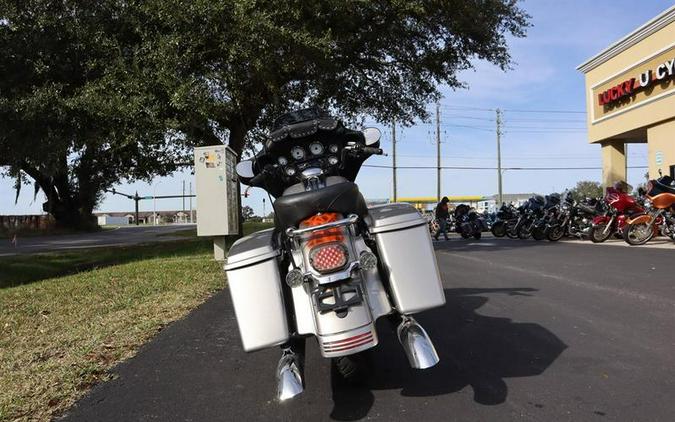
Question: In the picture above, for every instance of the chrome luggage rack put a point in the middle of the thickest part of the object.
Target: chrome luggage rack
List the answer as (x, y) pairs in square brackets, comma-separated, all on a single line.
[(293, 234), (351, 219)]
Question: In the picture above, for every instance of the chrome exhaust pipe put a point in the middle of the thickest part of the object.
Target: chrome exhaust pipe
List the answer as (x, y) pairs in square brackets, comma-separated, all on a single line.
[(289, 376), (416, 344)]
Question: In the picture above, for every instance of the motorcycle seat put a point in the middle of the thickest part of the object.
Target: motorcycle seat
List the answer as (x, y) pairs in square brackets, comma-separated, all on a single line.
[(344, 198)]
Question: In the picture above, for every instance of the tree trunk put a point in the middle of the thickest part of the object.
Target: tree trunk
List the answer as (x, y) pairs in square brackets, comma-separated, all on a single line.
[(69, 208)]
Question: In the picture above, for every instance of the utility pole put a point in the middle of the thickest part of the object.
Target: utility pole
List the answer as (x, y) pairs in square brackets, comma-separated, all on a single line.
[(191, 217), (136, 199), (438, 153), (393, 150), (499, 157), (183, 201)]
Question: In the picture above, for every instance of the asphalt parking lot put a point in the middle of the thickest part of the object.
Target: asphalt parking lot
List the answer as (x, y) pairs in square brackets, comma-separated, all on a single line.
[(119, 236), (531, 331)]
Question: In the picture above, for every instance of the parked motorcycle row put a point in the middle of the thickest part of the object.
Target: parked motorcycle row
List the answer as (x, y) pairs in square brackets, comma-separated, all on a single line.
[(618, 214), (464, 221)]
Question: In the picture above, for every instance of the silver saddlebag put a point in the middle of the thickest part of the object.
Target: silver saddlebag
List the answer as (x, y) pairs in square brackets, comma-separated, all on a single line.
[(408, 258), (255, 285)]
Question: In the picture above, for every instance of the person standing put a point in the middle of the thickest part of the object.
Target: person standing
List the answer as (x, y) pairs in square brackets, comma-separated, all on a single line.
[(442, 215)]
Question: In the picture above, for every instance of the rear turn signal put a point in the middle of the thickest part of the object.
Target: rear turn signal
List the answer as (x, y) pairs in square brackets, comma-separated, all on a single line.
[(367, 260)]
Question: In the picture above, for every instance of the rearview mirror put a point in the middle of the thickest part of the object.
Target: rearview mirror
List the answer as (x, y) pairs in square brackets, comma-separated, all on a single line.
[(372, 135), (245, 169)]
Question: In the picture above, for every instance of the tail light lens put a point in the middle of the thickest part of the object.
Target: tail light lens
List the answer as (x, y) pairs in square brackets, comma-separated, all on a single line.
[(326, 248), (328, 258)]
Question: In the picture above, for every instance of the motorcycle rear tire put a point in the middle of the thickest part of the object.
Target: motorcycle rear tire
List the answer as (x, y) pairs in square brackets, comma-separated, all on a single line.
[(538, 233), (598, 234), (499, 229), (477, 235), (630, 229), (465, 235), (350, 367), (555, 233)]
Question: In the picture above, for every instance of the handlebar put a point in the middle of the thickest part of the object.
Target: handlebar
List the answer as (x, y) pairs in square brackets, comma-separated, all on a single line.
[(257, 179), (373, 151)]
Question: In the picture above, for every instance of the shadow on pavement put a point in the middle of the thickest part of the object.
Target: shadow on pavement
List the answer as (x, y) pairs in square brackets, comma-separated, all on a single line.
[(475, 350)]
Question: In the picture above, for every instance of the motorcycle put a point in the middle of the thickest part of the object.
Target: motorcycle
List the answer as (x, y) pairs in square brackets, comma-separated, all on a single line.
[(531, 213), (575, 218), (331, 266), (507, 218), (549, 214), (620, 207), (641, 228), (468, 222)]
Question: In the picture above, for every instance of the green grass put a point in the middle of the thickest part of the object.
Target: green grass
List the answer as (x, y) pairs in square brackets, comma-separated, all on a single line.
[(21, 269), (62, 334)]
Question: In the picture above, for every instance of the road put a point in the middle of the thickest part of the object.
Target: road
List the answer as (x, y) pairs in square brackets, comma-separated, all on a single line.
[(531, 331), (124, 235)]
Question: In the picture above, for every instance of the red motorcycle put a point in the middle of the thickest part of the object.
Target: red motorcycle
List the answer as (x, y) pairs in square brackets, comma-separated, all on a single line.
[(621, 207)]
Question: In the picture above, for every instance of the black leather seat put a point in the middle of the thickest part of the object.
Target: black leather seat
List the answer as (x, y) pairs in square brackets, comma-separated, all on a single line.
[(343, 198)]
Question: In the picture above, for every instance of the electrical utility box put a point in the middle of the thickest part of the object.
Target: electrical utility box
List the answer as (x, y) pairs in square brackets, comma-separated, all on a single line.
[(217, 193)]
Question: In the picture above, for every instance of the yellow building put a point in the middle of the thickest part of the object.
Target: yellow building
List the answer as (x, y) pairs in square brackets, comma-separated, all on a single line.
[(630, 89)]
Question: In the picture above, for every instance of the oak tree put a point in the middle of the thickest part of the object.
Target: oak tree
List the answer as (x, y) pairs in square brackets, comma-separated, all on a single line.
[(93, 93)]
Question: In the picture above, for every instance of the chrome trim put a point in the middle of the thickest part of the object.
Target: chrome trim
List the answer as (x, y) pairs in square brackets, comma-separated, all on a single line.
[(311, 172), (336, 276), (289, 377), (416, 344), (352, 219)]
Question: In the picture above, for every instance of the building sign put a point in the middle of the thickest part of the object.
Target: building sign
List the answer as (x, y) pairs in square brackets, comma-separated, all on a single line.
[(649, 79)]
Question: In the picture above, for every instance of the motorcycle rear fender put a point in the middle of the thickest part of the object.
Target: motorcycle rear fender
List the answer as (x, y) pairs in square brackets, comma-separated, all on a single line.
[(376, 305), (639, 219)]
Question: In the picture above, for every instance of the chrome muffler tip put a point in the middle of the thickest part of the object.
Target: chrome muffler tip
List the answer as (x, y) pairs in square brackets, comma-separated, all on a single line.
[(416, 344), (289, 378)]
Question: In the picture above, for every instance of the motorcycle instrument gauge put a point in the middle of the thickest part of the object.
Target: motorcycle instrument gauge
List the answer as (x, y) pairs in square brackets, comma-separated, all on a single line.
[(298, 153), (333, 149), (282, 160), (316, 148), (332, 160)]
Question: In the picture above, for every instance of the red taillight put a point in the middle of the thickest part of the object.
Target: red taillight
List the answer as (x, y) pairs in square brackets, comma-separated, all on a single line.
[(326, 248), (327, 258)]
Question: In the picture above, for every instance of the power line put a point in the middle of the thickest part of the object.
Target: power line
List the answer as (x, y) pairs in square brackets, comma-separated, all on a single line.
[(545, 111), (547, 120), (447, 107), (492, 168), (460, 116), (512, 110), (545, 127)]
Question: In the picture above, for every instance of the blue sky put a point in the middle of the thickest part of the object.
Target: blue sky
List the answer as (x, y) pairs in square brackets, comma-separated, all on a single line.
[(565, 33)]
